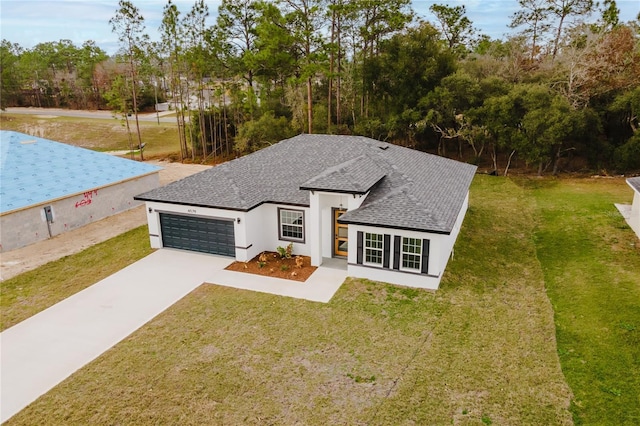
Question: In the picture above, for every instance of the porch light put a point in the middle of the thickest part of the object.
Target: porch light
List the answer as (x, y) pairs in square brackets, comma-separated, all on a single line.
[(238, 220)]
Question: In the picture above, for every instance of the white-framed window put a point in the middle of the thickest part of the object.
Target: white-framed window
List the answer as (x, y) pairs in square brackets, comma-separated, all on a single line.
[(411, 254), (373, 248), (291, 225)]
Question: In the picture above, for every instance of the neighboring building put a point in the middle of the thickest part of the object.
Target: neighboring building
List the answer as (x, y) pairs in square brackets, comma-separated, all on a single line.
[(634, 215), (47, 188), (392, 212)]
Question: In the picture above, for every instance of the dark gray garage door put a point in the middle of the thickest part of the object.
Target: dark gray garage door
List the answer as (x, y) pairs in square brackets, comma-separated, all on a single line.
[(198, 234)]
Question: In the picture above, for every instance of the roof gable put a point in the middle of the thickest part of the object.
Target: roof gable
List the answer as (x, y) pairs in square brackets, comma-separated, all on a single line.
[(355, 176)]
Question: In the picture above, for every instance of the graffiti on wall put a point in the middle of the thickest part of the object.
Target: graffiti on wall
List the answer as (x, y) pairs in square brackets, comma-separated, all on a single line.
[(87, 198)]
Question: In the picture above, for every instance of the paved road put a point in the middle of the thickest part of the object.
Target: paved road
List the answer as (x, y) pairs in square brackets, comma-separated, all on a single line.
[(87, 114)]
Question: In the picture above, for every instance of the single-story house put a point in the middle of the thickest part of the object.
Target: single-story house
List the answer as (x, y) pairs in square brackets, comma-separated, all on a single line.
[(634, 216), (391, 212), (47, 187)]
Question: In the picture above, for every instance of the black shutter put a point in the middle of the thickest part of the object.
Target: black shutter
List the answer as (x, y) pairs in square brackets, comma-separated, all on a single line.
[(386, 247), (396, 252), (359, 247), (425, 256)]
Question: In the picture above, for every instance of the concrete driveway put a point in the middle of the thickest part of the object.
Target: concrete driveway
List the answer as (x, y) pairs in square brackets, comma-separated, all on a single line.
[(45, 349)]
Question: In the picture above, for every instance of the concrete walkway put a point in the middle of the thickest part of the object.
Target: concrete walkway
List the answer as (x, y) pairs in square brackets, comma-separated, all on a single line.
[(319, 287), (45, 349)]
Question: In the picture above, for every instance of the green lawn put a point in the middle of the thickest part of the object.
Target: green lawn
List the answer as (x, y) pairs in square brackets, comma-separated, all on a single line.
[(481, 350), (29, 293), (591, 262)]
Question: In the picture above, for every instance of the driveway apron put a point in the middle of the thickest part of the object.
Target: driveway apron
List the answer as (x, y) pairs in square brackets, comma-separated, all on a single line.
[(45, 349)]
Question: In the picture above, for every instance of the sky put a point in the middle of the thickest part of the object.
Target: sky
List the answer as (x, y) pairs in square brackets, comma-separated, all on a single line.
[(29, 22)]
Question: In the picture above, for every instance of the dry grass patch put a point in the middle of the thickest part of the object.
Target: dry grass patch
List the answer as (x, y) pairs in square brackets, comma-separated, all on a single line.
[(97, 134), (481, 349)]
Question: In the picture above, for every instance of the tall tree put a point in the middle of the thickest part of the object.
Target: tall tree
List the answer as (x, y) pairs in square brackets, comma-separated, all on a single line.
[(128, 24), (237, 20), (533, 15), (11, 82), (89, 57), (610, 14), (564, 9), (197, 58), (377, 20), (172, 43), (304, 19), (456, 28)]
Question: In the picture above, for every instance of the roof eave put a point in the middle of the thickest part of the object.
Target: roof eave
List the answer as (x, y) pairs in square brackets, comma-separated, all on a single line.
[(402, 228), (208, 206), (335, 191), (342, 191)]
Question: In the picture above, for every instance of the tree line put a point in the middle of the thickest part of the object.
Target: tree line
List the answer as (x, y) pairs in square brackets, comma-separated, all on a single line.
[(562, 92)]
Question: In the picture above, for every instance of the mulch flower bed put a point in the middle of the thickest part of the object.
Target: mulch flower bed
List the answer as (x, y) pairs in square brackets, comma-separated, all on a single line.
[(269, 264)]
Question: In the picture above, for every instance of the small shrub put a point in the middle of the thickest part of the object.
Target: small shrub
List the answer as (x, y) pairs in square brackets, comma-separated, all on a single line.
[(261, 264), (486, 420), (284, 267), (285, 252)]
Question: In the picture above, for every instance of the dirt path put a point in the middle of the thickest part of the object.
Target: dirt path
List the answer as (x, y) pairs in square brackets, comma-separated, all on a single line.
[(24, 259)]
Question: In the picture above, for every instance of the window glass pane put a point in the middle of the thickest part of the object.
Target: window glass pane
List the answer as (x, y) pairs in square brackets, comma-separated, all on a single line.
[(291, 217), (291, 224), (411, 253), (373, 248)]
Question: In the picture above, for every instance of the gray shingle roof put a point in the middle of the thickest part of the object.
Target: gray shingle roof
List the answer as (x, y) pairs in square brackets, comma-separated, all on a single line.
[(635, 183), (409, 189), (355, 176)]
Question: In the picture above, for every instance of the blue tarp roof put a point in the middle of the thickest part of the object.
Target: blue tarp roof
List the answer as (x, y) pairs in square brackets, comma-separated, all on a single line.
[(35, 170)]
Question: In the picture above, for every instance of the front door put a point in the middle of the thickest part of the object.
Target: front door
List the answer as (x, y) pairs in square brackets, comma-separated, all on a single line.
[(341, 243)]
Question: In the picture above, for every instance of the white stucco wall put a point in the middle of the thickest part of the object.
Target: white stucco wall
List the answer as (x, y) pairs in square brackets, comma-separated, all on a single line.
[(255, 232), (322, 205), (437, 246), (29, 225), (263, 231), (440, 249), (634, 220)]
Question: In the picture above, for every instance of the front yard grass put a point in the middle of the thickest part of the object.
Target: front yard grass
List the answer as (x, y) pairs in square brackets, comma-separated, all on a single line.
[(480, 350), (31, 292), (591, 262)]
